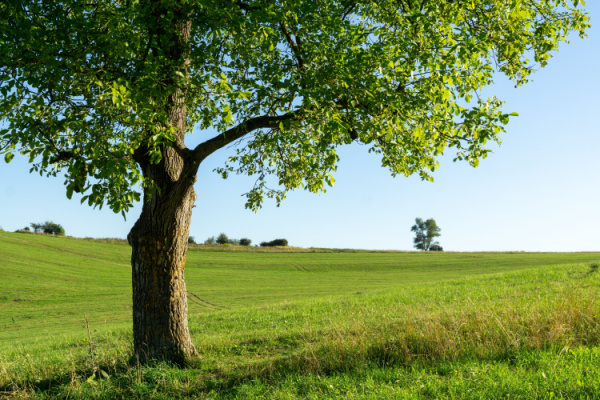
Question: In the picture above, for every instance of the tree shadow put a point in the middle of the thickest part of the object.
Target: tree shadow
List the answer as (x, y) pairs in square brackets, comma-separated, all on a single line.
[(593, 269)]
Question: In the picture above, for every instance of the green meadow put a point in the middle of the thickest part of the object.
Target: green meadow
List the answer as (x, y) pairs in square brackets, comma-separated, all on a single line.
[(304, 323)]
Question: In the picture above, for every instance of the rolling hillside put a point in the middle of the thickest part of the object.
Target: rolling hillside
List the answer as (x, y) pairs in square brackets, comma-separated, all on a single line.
[(49, 283), (305, 323)]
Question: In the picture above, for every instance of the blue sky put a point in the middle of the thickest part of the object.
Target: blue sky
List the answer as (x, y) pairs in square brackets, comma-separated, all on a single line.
[(539, 191)]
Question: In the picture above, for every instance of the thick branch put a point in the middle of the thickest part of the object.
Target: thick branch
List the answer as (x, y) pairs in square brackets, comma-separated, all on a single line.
[(205, 149), (293, 45)]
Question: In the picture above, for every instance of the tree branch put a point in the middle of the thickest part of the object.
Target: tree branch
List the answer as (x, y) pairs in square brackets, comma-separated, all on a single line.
[(205, 149), (292, 44)]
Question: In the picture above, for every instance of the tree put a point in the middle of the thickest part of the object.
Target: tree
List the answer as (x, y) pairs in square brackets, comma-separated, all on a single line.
[(53, 228), (245, 242), (36, 227), (191, 240), (436, 247), (106, 91), (276, 242), (210, 240), (222, 239), (425, 232), (48, 227)]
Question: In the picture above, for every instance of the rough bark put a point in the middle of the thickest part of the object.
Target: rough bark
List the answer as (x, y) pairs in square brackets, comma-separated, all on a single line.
[(159, 246), (159, 238)]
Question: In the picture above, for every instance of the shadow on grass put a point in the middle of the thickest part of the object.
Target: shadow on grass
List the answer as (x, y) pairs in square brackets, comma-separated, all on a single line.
[(593, 269), (207, 379)]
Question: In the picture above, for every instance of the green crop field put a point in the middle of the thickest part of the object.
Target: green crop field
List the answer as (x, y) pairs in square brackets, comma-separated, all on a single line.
[(305, 323)]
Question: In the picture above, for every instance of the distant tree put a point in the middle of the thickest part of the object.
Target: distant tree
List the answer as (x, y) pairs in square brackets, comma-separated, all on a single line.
[(425, 232), (191, 240), (233, 242), (436, 247), (222, 239), (276, 242), (245, 242), (210, 240), (36, 227), (52, 228)]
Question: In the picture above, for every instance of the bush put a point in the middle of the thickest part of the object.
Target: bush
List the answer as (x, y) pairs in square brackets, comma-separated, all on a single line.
[(233, 242), (436, 247), (222, 239), (210, 240), (49, 227), (276, 242), (245, 242)]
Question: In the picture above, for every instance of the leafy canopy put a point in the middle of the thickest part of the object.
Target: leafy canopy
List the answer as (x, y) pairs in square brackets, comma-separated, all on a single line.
[(86, 84)]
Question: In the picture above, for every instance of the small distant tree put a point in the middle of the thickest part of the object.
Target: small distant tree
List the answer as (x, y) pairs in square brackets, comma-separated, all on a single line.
[(245, 242), (191, 240), (210, 240), (436, 247), (276, 242), (425, 232), (36, 227), (222, 239), (52, 228)]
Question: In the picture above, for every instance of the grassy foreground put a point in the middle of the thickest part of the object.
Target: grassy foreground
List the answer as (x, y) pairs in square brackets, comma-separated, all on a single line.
[(306, 325)]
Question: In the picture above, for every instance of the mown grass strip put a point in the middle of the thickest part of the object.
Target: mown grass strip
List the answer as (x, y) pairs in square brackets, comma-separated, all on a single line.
[(49, 283)]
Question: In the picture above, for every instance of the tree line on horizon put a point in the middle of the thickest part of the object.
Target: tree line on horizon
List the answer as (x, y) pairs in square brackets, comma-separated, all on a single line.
[(48, 227), (223, 239)]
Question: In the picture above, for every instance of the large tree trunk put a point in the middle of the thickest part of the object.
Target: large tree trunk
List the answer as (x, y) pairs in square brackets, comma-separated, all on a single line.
[(159, 238), (159, 244)]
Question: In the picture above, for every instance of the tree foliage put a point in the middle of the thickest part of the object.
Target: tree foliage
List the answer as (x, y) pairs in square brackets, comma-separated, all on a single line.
[(436, 247), (36, 227), (86, 84), (48, 227), (273, 243), (222, 239), (425, 233)]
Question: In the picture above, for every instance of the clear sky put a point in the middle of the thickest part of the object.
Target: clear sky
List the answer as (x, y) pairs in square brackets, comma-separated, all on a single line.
[(539, 191)]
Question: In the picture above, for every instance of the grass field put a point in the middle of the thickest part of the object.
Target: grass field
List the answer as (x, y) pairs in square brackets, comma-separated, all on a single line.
[(305, 323)]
